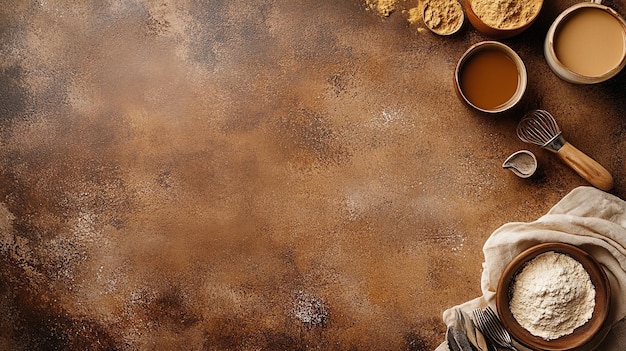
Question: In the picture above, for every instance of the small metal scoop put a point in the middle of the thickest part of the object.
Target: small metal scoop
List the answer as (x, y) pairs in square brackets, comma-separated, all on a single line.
[(522, 163)]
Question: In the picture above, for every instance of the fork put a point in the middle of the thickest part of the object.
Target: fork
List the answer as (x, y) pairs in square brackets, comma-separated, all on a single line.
[(489, 324)]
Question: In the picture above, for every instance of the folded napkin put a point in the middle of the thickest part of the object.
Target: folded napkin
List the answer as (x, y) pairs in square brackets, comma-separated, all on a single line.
[(588, 218)]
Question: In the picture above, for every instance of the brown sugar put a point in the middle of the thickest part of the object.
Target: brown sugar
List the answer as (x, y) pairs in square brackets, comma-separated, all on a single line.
[(443, 16), (383, 7), (506, 14)]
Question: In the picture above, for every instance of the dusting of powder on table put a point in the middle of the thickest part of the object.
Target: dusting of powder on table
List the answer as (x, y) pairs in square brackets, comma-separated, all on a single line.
[(414, 15), (383, 7), (552, 295), (506, 14)]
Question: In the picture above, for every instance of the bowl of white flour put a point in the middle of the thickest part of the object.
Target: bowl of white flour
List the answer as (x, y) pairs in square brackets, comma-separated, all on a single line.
[(553, 296)]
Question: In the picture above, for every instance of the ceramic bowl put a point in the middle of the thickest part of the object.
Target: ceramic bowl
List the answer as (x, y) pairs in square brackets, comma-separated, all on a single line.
[(522, 163), (493, 32), (454, 13), (558, 67), (522, 76), (581, 336)]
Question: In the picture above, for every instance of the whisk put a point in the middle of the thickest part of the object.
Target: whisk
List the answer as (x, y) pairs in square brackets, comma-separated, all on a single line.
[(540, 128)]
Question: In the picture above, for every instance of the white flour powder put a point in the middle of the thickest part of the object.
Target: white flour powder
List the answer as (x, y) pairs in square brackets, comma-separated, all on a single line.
[(552, 296)]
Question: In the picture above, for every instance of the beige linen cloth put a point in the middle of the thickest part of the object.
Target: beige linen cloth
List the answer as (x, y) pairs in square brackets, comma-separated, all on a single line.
[(589, 218)]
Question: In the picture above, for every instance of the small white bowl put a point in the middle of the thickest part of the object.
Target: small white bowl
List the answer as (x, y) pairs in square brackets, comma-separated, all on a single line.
[(522, 163)]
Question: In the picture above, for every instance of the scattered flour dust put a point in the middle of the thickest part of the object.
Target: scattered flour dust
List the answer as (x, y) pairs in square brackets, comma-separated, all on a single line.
[(415, 14), (310, 310), (383, 7), (552, 295)]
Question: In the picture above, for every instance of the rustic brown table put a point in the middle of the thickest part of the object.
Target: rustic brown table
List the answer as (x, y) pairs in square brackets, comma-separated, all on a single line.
[(259, 175)]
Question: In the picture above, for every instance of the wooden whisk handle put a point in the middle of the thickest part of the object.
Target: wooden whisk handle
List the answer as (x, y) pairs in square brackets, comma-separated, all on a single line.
[(586, 167)]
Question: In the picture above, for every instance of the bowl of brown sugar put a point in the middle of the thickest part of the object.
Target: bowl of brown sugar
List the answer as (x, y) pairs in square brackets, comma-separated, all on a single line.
[(554, 296), (443, 17), (500, 19)]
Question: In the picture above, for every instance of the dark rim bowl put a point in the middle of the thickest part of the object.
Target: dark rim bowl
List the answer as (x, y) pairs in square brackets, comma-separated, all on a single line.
[(582, 334)]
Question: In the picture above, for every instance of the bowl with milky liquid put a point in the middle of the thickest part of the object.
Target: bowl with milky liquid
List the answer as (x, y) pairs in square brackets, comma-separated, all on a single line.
[(586, 44), (583, 337)]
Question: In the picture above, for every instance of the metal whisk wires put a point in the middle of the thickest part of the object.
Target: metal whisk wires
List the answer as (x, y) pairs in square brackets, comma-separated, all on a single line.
[(538, 127)]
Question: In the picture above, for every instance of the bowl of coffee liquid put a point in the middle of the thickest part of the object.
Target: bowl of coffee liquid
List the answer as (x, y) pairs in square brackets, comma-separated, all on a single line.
[(490, 77)]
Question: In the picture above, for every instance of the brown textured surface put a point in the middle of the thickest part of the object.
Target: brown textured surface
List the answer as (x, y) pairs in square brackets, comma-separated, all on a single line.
[(275, 175)]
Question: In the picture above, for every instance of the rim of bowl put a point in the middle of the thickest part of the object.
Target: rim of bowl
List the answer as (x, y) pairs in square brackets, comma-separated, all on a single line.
[(521, 84)]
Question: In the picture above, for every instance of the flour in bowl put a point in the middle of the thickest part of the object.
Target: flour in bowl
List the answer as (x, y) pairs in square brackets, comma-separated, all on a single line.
[(552, 295)]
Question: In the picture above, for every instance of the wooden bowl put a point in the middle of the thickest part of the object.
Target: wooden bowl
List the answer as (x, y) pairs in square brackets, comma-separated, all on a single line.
[(493, 32), (581, 335)]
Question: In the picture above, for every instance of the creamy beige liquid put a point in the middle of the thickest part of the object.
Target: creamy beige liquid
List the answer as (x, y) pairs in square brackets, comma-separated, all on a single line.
[(591, 42), (489, 79)]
